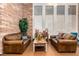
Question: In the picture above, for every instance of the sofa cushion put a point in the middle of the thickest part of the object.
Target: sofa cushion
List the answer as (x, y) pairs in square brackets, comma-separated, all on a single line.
[(11, 37), (66, 36), (69, 37), (25, 41), (13, 42), (60, 35), (55, 40), (74, 34), (52, 36), (72, 38)]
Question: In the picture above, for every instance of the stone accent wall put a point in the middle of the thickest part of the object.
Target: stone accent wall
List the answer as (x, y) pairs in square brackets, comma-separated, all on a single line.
[(10, 14)]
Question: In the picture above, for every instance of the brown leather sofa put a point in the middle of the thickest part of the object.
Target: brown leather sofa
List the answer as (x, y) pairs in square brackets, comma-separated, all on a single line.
[(64, 44), (13, 44)]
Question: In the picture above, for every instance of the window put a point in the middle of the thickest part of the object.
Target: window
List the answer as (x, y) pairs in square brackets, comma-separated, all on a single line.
[(72, 10), (60, 10), (57, 18), (49, 10), (71, 19), (37, 10)]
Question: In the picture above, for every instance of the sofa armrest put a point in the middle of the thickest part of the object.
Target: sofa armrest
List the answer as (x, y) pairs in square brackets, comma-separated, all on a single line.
[(13, 42)]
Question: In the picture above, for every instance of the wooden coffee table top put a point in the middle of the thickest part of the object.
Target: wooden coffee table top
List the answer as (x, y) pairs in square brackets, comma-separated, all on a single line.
[(40, 41)]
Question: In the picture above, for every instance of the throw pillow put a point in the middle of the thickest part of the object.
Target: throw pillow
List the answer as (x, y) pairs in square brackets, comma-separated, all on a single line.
[(61, 35), (74, 34), (24, 37), (73, 38), (67, 36)]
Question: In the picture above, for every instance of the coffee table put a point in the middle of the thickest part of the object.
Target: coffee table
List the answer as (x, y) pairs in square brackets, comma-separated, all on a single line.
[(42, 42)]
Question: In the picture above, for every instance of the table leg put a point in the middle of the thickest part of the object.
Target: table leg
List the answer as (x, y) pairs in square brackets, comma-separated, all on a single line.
[(33, 47), (46, 47)]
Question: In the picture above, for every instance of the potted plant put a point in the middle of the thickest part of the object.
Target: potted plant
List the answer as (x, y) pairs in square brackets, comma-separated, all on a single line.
[(23, 25)]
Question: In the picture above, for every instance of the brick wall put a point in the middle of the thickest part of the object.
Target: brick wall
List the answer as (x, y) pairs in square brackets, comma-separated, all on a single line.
[(28, 14), (10, 14)]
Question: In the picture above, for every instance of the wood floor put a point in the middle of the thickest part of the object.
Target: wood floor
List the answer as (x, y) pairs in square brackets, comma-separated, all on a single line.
[(51, 52)]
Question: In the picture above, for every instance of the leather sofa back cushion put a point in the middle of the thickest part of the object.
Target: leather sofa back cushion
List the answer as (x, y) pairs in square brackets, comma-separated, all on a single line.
[(13, 37), (69, 37)]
